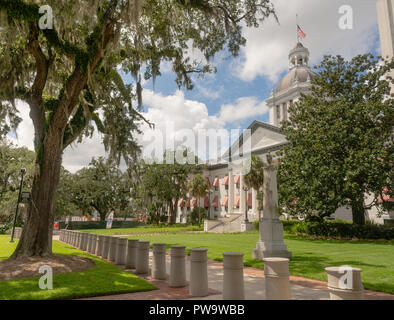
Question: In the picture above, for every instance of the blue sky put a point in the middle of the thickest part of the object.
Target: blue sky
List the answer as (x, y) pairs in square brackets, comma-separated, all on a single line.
[(235, 95)]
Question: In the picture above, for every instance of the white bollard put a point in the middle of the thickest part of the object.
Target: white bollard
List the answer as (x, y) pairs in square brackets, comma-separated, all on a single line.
[(112, 248), (233, 278), (94, 244), (178, 267), (100, 244), (80, 235), (277, 279), (159, 261), (88, 242), (85, 238), (131, 253), (106, 245), (142, 263), (344, 283), (121, 251), (198, 272)]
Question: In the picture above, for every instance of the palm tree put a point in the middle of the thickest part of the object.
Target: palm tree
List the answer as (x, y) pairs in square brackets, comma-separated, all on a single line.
[(198, 188)]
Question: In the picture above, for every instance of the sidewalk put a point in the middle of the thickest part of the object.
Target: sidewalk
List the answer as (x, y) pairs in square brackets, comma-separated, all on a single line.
[(301, 288)]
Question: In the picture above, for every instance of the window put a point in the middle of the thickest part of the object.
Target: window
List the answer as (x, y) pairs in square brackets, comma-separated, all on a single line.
[(278, 113)]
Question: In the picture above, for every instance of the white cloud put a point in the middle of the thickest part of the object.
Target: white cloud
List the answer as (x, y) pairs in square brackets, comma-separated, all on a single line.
[(267, 47), (74, 157), (244, 108)]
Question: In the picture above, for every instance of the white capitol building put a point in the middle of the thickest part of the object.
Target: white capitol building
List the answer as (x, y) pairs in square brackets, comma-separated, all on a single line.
[(227, 202)]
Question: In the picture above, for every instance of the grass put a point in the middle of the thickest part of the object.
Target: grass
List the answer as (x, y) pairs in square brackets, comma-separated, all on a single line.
[(310, 257), (103, 279), (149, 229)]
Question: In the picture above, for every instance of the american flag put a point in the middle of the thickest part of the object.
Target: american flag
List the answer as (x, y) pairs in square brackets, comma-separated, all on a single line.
[(301, 34)]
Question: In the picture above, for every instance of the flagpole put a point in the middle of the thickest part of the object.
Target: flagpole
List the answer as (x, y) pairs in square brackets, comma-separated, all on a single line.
[(298, 36)]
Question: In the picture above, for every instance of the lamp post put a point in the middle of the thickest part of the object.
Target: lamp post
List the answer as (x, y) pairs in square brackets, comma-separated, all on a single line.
[(23, 171), (246, 189)]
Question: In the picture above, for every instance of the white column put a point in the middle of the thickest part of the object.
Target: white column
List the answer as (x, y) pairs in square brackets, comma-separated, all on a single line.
[(142, 263), (159, 261), (233, 278), (198, 273), (178, 267), (344, 283), (230, 191), (242, 194), (385, 9), (121, 251), (131, 253), (277, 279)]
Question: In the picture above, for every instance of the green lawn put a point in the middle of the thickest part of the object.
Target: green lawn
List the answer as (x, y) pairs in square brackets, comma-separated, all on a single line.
[(310, 257), (103, 279), (138, 230)]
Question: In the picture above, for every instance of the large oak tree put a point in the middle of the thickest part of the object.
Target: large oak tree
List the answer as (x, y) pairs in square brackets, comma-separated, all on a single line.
[(70, 75)]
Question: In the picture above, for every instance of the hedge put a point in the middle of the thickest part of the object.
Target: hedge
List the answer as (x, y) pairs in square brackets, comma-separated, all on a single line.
[(80, 225), (338, 229)]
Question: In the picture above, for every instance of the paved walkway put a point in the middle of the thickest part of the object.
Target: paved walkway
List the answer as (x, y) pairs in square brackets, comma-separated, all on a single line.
[(301, 288)]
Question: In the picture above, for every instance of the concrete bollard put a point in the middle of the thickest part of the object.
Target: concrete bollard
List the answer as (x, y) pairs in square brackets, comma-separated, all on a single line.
[(178, 267), (88, 242), (159, 261), (79, 243), (233, 278), (277, 279), (100, 244), (94, 244), (131, 253), (66, 236), (112, 248), (198, 273), (61, 235), (106, 247), (85, 238), (344, 283), (142, 263), (121, 251), (74, 238)]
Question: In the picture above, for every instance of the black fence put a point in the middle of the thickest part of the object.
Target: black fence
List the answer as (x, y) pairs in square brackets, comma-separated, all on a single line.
[(81, 225)]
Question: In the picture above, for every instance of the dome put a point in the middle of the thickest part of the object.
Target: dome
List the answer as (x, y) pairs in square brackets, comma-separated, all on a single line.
[(302, 74)]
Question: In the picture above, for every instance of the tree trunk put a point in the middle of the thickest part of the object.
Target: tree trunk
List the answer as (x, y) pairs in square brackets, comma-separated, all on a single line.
[(358, 211), (36, 239)]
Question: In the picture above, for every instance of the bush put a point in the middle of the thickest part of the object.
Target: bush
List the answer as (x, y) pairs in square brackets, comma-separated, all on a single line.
[(192, 218), (334, 229)]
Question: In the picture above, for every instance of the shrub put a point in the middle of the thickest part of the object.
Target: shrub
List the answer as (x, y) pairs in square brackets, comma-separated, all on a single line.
[(192, 218)]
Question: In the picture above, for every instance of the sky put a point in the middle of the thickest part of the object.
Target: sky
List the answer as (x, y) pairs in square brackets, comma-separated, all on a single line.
[(235, 95)]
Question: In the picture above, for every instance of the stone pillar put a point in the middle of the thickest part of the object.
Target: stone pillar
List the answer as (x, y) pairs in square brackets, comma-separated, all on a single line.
[(61, 236), (344, 283), (78, 243), (271, 242), (198, 273), (131, 253), (88, 242), (100, 245), (142, 263), (242, 194), (385, 9), (106, 245), (93, 241), (233, 278), (277, 279), (66, 234), (230, 191), (113, 244), (159, 261), (121, 251), (178, 267), (83, 241)]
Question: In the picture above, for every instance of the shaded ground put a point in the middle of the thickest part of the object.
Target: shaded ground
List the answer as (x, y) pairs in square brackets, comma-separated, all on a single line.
[(28, 267)]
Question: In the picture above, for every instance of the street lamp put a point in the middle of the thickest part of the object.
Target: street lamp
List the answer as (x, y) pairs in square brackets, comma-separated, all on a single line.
[(246, 189), (23, 171)]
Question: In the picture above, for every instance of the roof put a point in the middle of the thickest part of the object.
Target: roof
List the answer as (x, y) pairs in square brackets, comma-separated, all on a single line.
[(300, 74)]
